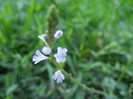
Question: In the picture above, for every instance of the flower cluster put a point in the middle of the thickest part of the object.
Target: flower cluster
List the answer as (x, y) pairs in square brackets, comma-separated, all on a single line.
[(60, 56)]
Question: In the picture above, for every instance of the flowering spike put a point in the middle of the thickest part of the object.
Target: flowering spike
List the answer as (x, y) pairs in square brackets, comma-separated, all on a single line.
[(58, 76), (39, 57), (52, 21), (61, 55)]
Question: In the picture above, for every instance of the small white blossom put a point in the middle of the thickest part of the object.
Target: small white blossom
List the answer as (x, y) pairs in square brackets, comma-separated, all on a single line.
[(39, 57), (58, 34), (58, 76), (46, 50), (42, 37), (61, 55)]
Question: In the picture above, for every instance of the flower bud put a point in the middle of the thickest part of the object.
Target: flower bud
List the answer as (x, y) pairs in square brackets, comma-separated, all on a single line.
[(58, 34), (46, 50)]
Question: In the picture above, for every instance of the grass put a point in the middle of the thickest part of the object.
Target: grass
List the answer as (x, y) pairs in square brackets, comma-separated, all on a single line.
[(97, 33)]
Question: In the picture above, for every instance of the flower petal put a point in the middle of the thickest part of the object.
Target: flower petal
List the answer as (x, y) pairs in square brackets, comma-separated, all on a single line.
[(38, 52), (63, 59), (64, 50), (39, 57), (46, 50), (59, 49), (54, 77), (42, 37), (58, 76), (59, 80), (61, 55)]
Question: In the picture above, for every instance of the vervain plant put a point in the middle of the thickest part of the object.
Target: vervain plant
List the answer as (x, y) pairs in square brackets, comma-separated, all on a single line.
[(51, 36)]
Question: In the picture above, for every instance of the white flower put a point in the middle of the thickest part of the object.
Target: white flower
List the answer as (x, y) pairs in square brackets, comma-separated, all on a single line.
[(61, 55), (46, 50), (58, 34), (58, 76), (42, 37), (39, 57)]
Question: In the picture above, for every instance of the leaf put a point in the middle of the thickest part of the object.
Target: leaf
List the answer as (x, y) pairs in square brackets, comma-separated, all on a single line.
[(50, 73), (89, 66), (80, 94), (11, 89), (3, 39)]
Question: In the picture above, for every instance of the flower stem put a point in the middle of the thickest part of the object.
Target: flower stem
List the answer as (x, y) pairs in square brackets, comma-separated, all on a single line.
[(91, 90)]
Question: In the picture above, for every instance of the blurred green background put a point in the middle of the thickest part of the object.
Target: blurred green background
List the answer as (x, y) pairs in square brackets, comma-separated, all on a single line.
[(97, 33)]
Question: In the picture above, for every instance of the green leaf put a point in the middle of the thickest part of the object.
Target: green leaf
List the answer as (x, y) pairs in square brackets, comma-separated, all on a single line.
[(11, 89)]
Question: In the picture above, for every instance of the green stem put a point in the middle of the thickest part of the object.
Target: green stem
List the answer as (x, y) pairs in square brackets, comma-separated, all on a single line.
[(129, 91), (91, 90)]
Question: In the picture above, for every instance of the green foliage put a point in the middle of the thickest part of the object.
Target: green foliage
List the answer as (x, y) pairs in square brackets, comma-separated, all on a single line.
[(97, 33)]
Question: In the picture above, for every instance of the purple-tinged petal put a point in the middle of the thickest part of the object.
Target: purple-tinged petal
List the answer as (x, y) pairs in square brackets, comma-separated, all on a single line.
[(39, 57), (58, 34), (58, 76), (42, 37), (61, 55)]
